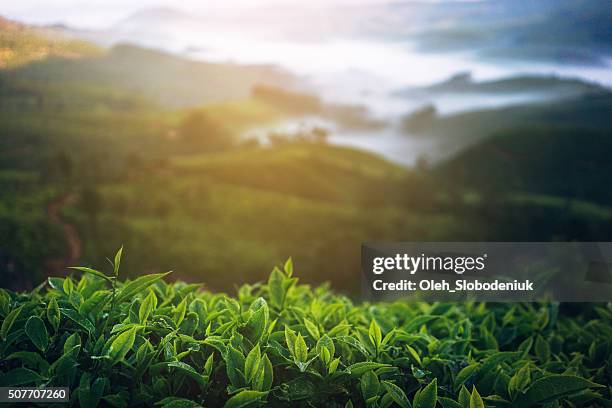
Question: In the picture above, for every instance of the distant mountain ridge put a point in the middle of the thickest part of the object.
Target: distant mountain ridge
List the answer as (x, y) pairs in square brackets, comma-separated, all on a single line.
[(45, 56), (465, 83), (21, 44)]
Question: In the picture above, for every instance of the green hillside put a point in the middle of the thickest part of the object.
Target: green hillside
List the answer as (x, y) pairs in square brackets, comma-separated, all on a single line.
[(146, 181), (590, 111), (21, 44), (143, 179), (564, 161), (165, 79), (525, 84), (246, 208), (99, 152)]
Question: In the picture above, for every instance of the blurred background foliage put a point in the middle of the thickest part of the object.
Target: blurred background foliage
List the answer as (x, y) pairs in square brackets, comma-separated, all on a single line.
[(103, 147)]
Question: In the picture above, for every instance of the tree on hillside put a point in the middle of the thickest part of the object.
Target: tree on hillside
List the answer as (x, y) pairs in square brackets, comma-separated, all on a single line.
[(201, 132), (419, 120)]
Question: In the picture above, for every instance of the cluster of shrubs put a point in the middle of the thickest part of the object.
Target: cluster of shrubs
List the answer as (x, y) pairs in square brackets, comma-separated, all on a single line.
[(145, 342)]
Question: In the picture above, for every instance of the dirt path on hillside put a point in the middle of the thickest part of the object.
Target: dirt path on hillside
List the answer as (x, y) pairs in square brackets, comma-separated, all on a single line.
[(58, 265)]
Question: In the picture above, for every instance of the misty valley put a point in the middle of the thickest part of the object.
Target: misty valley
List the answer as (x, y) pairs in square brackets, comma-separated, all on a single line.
[(174, 172)]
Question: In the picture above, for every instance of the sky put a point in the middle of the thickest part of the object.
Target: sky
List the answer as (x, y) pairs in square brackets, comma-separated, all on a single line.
[(103, 13)]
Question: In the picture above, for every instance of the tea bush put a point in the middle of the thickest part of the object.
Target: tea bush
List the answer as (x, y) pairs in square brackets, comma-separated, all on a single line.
[(146, 342)]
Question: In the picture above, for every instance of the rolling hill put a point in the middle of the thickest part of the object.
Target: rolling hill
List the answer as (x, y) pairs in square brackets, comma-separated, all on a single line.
[(165, 79), (464, 83), (21, 44), (564, 161)]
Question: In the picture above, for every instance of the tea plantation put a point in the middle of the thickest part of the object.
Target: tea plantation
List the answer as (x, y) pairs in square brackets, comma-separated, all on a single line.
[(146, 342)]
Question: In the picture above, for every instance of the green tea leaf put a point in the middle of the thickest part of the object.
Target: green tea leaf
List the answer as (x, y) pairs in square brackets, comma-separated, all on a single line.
[(358, 369), (267, 374), (68, 285), (553, 387), (137, 285), (121, 345), (370, 385), (397, 394), (301, 350), (491, 362), (91, 272), (375, 334), (449, 403), (37, 332), (525, 346), (179, 312), (288, 267), (94, 305), (275, 287), (312, 328), (258, 322), (189, 371), (19, 376), (176, 402), (251, 364), (79, 319), (234, 362), (418, 322), (353, 342), (90, 395), (520, 380), (31, 359), (117, 261), (476, 400), (73, 344), (53, 314), (333, 366), (245, 398), (325, 348), (64, 365), (414, 354), (290, 338), (147, 306), (8, 322), (189, 324), (428, 396), (464, 397), (466, 373)]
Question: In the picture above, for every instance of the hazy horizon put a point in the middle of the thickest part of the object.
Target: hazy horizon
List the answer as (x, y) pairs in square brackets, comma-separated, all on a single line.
[(99, 14), (359, 53)]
